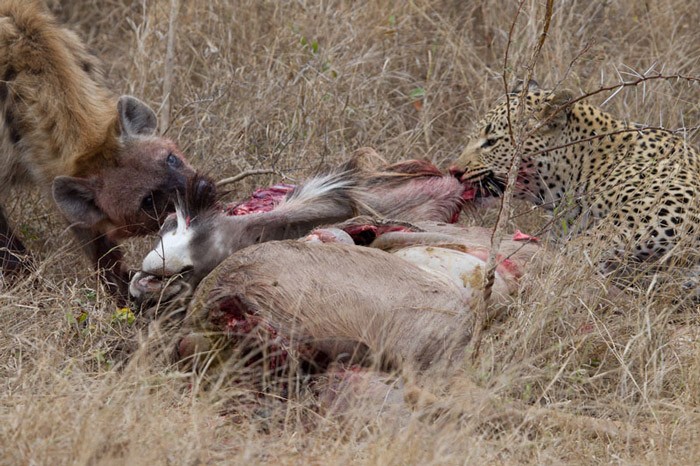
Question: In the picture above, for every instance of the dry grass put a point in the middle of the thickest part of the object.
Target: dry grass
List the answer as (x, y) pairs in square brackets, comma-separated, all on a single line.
[(297, 86)]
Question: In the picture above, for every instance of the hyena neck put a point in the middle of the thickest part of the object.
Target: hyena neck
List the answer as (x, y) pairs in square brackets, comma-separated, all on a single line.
[(57, 109), (98, 152)]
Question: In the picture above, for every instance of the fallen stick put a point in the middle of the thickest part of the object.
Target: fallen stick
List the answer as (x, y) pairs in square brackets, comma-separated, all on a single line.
[(245, 174)]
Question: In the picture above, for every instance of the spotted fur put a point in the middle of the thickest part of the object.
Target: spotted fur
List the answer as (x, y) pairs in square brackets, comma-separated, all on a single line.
[(602, 175), (65, 133)]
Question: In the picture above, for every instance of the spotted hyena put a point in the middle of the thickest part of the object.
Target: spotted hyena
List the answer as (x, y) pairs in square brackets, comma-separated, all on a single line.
[(64, 131)]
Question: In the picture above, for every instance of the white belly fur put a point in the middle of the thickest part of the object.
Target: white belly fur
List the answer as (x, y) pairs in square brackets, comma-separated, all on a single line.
[(463, 269)]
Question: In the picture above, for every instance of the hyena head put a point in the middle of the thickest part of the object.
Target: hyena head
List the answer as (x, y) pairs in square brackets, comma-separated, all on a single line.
[(135, 183)]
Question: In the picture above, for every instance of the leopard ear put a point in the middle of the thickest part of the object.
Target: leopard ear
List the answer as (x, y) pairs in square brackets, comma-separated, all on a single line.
[(532, 85), (553, 110)]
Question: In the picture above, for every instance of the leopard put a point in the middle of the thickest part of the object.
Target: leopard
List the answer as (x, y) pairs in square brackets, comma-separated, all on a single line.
[(633, 186)]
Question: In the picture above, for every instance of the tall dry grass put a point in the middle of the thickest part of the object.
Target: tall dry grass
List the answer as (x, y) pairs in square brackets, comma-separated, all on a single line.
[(569, 375)]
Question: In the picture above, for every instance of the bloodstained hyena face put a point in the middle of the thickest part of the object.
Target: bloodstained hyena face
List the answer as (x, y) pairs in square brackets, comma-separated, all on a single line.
[(134, 193), (157, 172)]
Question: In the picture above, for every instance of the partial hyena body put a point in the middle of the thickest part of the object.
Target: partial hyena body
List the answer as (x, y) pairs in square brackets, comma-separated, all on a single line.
[(62, 130)]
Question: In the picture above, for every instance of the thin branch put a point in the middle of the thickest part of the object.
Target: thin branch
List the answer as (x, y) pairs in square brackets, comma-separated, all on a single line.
[(505, 69), (573, 61), (481, 308), (543, 37), (504, 214), (612, 133), (635, 82), (169, 64), (245, 174)]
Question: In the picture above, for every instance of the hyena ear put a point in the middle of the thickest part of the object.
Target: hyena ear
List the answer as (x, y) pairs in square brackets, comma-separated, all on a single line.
[(552, 110), (75, 197), (135, 117)]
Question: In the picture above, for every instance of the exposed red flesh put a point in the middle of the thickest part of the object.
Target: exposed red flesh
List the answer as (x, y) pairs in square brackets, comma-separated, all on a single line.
[(262, 200), (365, 234), (520, 236), (270, 344), (237, 323), (508, 266), (469, 193)]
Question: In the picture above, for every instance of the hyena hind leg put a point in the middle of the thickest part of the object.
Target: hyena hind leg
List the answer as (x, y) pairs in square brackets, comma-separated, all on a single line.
[(13, 255)]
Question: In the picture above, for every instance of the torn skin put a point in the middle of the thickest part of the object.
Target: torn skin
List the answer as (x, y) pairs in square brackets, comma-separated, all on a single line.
[(262, 200), (520, 236), (363, 235), (266, 199), (259, 339)]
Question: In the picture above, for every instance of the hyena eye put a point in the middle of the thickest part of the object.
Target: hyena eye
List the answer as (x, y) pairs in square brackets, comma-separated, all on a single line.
[(172, 160), (147, 202)]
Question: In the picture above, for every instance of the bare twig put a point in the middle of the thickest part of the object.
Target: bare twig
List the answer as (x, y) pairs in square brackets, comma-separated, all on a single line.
[(574, 60), (481, 308), (245, 174), (504, 214), (504, 75), (169, 64), (543, 37), (612, 133), (635, 82)]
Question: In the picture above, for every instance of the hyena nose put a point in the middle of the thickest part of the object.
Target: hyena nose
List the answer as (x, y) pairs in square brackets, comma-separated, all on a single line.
[(205, 186)]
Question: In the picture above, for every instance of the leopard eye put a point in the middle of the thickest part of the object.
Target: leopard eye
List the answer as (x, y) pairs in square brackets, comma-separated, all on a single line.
[(489, 143), (488, 129)]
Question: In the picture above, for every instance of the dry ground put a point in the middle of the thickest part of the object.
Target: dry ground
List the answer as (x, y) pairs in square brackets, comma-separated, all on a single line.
[(298, 85)]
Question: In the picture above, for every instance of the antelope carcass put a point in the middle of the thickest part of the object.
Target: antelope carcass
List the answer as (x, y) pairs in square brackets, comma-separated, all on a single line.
[(322, 304), (407, 297), (202, 233)]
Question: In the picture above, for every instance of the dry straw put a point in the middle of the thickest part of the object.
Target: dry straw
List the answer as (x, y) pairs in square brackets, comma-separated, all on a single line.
[(573, 373)]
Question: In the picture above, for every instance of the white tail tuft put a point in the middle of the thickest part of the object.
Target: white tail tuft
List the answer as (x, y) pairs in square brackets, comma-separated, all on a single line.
[(321, 187), (181, 220)]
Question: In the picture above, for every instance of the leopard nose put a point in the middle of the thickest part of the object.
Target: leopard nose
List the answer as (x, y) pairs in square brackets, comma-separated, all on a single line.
[(456, 172)]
